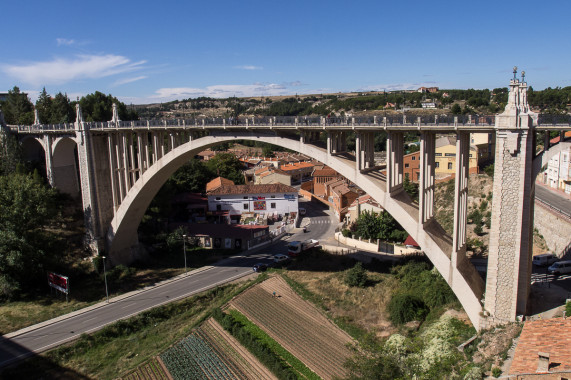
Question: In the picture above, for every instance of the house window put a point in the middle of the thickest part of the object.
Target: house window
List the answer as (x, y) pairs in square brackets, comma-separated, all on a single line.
[(450, 154), (449, 165), (406, 165), (245, 197), (437, 164), (245, 206), (438, 154), (273, 205), (414, 158), (217, 198), (273, 196)]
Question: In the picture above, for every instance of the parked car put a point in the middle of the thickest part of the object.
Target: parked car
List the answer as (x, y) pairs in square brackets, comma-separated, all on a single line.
[(544, 259), (260, 267), (560, 267), (280, 258)]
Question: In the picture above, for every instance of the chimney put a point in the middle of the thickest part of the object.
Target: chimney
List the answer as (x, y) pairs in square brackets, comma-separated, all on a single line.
[(543, 362)]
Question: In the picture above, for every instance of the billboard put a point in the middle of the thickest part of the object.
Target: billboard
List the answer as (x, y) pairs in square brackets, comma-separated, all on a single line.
[(59, 282)]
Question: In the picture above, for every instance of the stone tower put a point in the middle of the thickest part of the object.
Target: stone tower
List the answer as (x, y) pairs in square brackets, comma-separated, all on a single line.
[(511, 236)]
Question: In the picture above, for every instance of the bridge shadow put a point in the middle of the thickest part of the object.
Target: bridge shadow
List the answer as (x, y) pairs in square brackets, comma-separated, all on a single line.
[(17, 362)]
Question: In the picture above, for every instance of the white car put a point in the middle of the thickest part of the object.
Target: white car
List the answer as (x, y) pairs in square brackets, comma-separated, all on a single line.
[(278, 259)]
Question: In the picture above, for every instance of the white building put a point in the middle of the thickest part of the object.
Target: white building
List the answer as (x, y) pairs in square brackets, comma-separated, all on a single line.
[(558, 171), (271, 199)]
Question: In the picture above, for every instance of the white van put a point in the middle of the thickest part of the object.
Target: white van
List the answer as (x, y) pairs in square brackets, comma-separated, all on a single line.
[(560, 267), (544, 259)]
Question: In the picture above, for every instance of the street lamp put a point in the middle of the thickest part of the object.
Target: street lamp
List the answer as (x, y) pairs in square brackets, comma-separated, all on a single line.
[(184, 249), (105, 275)]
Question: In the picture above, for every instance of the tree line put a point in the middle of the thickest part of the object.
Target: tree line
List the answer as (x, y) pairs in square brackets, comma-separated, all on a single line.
[(18, 109)]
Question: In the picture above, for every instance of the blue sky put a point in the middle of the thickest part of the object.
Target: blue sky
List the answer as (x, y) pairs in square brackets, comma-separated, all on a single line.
[(143, 52)]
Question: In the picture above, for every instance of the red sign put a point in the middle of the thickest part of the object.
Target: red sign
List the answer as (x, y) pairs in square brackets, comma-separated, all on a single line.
[(59, 282)]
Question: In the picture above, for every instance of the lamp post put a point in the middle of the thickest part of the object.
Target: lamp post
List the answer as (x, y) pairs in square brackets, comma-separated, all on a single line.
[(184, 250), (105, 276)]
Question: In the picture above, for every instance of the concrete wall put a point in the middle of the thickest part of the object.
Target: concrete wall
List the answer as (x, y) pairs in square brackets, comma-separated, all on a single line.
[(545, 220)]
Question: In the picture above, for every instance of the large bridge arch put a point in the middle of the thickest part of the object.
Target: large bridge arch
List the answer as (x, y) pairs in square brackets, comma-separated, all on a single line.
[(33, 149), (122, 233)]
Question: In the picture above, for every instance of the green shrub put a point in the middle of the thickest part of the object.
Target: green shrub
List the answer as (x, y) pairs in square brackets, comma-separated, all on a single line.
[(489, 170), (568, 309), (346, 233), (496, 372), (356, 276), (404, 308)]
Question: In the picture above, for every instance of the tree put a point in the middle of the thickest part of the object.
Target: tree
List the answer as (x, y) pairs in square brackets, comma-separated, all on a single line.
[(456, 109), (356, 276), (267, 151), (26, 207), (62, 110), (411, 188), (99, 107), (192, 176), (44, 106), (228, 166), (10, 153), (17, 108)]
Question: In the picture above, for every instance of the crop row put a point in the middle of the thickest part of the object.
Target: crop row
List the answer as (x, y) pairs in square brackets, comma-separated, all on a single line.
[(193, 358), (273, 345), (151, 370), (296, 330)]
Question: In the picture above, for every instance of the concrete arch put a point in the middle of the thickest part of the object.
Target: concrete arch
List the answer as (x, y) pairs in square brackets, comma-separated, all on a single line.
[(122, 234), (33, 149), (65, 166)]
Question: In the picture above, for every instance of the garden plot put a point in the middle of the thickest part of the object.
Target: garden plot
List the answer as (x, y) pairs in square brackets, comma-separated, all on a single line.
[(151, 370), (297, 325)]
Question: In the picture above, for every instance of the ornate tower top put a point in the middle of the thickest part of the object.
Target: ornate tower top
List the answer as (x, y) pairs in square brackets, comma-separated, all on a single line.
[(115, 118), (79, 115)]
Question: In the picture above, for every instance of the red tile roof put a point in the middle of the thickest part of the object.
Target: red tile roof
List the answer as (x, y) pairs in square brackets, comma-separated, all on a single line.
[(555, 140), (254, 189), (552, 336), (296, 166), (217, 183)]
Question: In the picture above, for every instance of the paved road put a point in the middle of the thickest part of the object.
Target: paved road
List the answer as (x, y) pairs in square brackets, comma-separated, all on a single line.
[(50, 336), (553, 199)]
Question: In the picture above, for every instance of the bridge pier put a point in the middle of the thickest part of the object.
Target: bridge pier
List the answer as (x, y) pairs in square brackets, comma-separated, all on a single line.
[(511, 237), (460, 199), (395, 152), (426, 180)]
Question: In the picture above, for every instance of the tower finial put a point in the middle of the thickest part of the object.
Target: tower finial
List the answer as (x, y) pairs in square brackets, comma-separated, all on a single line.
[(515, 72), (523, 76)]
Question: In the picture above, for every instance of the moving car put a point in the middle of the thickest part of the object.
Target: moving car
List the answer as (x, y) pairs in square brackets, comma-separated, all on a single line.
[(560, 267), (260, 267)]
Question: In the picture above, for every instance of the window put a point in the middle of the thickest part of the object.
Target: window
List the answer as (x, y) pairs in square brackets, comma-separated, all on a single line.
[(273, 196), (406, 165), (245, 197), (414, 158), (245, 206), (438, 154), (450, 154), (437, 164), (217, 198), (450, 165), (273, 205)]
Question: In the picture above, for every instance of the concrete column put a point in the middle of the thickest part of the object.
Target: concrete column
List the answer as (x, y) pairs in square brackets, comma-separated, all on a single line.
[(511, 237), (460, 198), (395, 141), (302, 137), (358, 142), (49, 159), (125, 164), (119, 160), (156, 147), (546, 141), (140, 154), (113, 169), (162, 144), (426, 180), (147, 154), (132, 169), (329, 143)]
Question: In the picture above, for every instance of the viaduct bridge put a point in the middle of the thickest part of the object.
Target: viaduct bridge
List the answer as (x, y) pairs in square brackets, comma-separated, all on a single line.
[(122, 165)]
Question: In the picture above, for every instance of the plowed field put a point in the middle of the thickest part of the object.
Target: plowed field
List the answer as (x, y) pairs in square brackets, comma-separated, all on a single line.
[(297, 325)]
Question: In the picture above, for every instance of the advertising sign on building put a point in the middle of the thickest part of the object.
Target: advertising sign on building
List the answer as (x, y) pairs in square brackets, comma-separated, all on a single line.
[(259, 205), (58, 282)]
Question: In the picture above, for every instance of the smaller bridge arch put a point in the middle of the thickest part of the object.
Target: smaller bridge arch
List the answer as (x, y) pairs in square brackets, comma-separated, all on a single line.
[(65, 166)]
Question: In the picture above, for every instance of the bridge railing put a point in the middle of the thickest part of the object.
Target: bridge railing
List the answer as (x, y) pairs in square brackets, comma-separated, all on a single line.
[(551, 119)]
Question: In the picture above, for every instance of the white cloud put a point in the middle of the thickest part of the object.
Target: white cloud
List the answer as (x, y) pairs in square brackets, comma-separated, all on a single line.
[(128, 80), (63, 70), (64, 41), (249, 67)]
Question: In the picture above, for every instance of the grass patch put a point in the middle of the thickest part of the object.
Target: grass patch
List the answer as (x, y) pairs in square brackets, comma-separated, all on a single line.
[(124, 345)]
